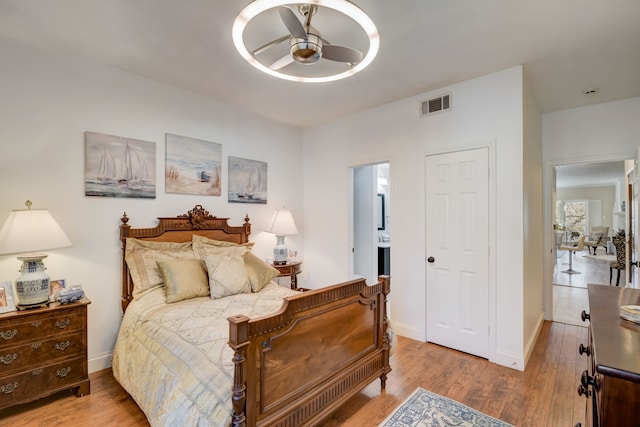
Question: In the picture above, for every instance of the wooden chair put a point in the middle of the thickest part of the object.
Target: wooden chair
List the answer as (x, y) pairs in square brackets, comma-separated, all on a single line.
[(621, 259), (578, 247)]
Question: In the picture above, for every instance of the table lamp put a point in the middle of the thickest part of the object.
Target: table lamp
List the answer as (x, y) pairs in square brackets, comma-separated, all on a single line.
[(282, 225), (24, 232)]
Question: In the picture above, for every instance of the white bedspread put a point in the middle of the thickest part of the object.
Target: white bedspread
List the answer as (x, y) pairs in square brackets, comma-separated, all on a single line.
[(174, 359)]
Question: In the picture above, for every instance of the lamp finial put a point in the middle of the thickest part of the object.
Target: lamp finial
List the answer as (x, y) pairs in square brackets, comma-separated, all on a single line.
[(28, 204)]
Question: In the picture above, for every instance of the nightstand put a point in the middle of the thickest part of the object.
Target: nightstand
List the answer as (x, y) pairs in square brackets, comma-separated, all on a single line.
[(43, 351), (291, 270)]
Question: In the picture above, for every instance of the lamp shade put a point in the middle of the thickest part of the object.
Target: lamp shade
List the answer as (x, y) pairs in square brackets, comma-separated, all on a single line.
[(283, 224), (31, 230)]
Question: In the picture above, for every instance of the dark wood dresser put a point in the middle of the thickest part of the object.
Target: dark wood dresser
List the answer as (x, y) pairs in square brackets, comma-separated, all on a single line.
[(612, 382), (43, 351)]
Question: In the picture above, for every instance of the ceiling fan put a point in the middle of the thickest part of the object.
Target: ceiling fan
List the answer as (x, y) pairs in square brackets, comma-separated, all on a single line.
[(306, 45)]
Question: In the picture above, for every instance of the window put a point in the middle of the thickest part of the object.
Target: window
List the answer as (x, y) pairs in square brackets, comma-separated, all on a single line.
[(575, 217)]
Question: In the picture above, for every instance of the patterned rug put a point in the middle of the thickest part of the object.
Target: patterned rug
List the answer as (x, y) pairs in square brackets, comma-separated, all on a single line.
[(426, 409)]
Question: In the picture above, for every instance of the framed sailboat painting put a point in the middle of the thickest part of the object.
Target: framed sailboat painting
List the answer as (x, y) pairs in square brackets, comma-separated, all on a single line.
[(247, 181), (115, 166), (192, 166)]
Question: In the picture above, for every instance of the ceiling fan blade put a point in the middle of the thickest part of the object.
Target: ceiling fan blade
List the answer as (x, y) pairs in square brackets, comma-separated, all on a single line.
[(270, 44), (291, 22), (282, 62), (341, 53)]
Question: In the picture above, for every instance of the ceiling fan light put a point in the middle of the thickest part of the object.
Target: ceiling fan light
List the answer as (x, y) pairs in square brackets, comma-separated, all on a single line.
[(309, 50), (343, 6)]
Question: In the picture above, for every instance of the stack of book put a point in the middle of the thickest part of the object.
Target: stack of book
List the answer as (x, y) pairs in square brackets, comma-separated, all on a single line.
[(630, 312)]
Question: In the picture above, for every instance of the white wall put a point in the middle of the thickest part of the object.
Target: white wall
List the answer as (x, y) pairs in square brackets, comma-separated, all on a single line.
[(602, 132), (48, 102), (533, 281), (486, 111)]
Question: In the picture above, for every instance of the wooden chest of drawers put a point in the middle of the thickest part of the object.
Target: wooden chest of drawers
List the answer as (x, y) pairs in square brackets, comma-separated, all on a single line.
[(43, 351), (612, 382)]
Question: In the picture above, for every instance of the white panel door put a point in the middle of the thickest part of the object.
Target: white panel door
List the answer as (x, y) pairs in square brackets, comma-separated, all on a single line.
[(457, 250)]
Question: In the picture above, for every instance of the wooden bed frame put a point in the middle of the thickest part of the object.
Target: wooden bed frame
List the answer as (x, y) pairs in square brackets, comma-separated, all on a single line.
[(297, 366)]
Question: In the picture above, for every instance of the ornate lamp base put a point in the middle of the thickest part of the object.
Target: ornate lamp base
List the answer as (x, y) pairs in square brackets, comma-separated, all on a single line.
[(32, 286), (280, 252)]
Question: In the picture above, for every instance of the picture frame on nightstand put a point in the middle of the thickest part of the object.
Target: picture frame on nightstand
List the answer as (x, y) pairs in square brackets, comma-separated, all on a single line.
[(55, 286), (7, 303)]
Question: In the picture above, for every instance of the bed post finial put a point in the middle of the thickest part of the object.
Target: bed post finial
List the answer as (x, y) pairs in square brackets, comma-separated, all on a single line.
[(247, 225)]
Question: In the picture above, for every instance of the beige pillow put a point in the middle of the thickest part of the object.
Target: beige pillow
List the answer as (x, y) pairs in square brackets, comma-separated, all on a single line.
[(142, 257), (227, 272), (184, 279), (260, 273), (201, 242)]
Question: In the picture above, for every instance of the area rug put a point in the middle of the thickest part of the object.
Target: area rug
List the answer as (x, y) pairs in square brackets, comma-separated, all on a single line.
[(426, 409)]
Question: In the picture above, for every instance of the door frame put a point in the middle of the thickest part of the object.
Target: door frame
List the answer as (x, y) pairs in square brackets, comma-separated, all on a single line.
[(351, 216), (492, 206), (549, 182)]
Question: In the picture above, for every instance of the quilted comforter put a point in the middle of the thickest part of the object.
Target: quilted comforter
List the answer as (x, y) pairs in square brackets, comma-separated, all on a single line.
[(174, 359)]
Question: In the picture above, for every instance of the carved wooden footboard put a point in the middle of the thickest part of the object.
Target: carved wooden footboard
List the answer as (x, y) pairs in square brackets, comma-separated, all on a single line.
[(296, 367)]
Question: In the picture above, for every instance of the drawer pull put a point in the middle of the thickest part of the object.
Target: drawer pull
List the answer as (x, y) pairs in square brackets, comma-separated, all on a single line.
[(36, 323), (61, 324), (9, 388), (63, 372), (8, 359), (37, 371), (586, 380), (62, 345), (7, 335), (36, 345)]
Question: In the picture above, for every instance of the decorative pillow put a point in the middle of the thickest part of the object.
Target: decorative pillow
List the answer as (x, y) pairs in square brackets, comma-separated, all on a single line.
[(142, 257), (595, 237), (260, 273), (201, 242), (184, 279), (227, 272)]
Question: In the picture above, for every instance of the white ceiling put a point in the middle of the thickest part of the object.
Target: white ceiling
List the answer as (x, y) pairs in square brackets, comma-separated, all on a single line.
[(590, 174), (565, 46)]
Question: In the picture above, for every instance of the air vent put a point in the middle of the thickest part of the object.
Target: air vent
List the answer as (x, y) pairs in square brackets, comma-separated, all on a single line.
[(435, 105)]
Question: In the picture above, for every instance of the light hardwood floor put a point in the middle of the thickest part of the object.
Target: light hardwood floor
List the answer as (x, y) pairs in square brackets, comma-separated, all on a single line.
[(570, 290), (543, 395)]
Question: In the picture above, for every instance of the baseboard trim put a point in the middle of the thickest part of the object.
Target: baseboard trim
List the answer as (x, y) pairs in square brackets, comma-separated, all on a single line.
[(407, 331), (99, 363)]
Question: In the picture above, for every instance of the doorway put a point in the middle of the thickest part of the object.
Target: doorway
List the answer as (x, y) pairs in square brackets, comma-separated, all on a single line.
[(586, 197), (371, 221)]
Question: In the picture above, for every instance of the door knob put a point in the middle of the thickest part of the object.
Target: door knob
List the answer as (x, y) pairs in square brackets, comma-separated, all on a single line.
[(633, 263), (431, 259)]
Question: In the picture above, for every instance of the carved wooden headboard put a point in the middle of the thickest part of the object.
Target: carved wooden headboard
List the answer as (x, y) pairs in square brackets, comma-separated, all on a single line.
[(179, 229)]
